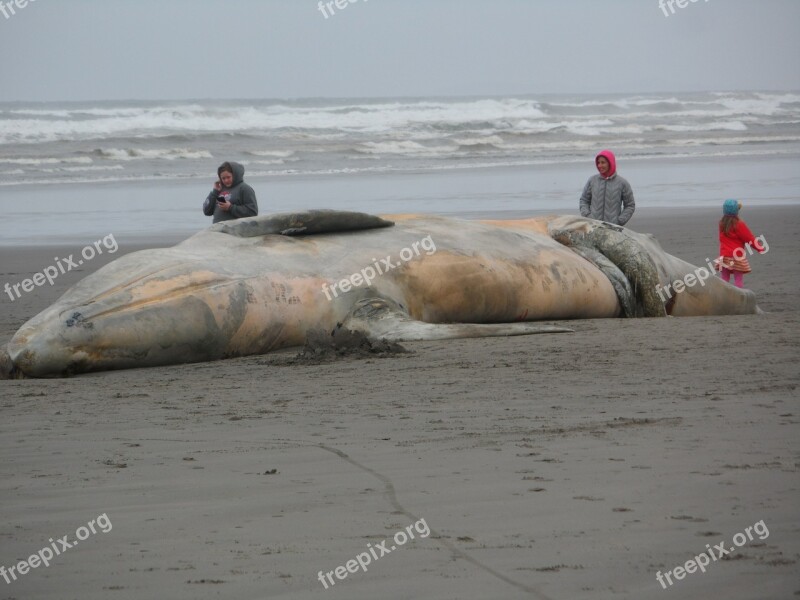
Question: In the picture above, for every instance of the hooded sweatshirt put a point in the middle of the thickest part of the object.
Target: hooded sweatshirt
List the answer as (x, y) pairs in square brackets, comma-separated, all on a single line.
[(608, 198), (240, 195)]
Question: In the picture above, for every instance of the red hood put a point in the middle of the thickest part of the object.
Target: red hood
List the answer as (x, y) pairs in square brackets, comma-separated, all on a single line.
[(612, 161)]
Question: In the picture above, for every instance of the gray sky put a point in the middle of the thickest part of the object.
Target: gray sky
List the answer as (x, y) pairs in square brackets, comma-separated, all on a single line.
[(180, 49)]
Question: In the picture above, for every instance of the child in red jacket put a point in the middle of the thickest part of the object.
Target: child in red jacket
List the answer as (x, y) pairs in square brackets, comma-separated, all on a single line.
[(734, 239)]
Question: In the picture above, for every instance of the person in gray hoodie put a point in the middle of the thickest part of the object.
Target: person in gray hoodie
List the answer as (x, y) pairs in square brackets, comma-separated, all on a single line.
[(607, 196), (231, 197)]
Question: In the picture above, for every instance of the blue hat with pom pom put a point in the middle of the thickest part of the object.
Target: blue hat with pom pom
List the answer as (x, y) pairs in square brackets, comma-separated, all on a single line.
[(730, 207)]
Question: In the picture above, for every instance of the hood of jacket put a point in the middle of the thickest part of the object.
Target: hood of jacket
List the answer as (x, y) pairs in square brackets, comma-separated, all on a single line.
[(612, 162), (238, 173)]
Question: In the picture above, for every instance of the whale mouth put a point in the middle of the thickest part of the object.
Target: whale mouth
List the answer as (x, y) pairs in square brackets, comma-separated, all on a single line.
[(135, 314), (112, 298), (76, 340)]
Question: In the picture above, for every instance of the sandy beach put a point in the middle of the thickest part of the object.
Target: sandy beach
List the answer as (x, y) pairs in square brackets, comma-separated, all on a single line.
[(563, 467)]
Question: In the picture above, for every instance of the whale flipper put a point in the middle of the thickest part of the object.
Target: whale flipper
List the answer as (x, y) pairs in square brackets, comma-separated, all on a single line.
[(383, 319)]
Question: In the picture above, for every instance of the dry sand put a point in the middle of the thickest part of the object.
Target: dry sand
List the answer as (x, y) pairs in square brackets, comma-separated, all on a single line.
[(564, 466)]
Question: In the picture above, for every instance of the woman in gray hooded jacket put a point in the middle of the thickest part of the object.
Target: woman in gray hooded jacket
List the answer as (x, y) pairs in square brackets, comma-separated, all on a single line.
[(607, 196), (231, 197)]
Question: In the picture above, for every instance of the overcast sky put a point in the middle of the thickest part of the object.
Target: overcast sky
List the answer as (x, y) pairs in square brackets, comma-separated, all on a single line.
[(181, 49)]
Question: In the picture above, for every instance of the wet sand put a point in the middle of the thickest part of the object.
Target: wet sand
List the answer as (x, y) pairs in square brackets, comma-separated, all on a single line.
[(563, 466)]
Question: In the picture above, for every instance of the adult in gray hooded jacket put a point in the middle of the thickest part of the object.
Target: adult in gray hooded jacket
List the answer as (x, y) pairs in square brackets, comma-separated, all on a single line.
[(607, 196), (231, 197)]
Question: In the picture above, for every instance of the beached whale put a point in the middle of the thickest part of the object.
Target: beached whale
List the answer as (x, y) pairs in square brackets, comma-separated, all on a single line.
[(258, 284)]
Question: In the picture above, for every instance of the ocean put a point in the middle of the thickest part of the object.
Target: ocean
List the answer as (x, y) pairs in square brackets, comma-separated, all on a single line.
[(68, 168)]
